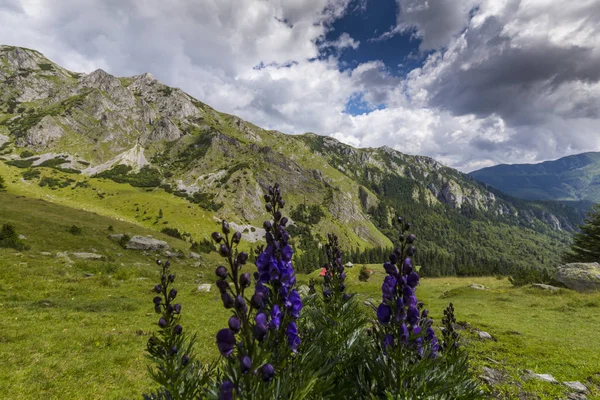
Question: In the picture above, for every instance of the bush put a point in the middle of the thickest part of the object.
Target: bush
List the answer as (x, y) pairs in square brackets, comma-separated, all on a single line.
[(30, 174), (173, 232), (2, 184), (364, 274), (205, 246), (526, 276), (9, 238), (26, 154), (124, 240), (75, 230)]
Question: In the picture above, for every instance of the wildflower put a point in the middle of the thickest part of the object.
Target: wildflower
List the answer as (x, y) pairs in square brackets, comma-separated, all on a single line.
[(225, 342), (226, 391), (267, 371), (245, 364), (292, 335)]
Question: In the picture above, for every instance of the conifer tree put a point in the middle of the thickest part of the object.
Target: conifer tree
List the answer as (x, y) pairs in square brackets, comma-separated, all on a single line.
[(586, 243), (2, 184)]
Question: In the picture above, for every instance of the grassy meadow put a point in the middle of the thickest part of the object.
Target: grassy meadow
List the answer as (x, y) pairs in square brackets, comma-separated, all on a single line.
[(77, 329)]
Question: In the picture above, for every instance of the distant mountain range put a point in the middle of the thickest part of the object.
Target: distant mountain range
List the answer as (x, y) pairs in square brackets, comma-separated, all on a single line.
[(86, 139), (573, 178)]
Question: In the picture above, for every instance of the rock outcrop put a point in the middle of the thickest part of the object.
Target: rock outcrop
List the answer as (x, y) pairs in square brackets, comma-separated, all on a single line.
[(146, 243), (582, 277)]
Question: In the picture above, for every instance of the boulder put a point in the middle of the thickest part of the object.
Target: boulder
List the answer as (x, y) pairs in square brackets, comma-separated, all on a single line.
[(116, 237), (477, 286), (576, 386), (146, 243), (485, 335), (542, 286), (582, 277), (492, 376), (87, 256), (204, 288), (540, 377)]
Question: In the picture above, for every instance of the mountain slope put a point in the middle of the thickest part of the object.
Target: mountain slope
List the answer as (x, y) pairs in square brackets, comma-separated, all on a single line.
[(572, 178), (129, 147)]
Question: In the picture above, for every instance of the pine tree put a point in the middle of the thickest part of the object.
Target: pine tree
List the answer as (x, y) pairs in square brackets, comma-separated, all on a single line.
[(586, 243), (2, 184)]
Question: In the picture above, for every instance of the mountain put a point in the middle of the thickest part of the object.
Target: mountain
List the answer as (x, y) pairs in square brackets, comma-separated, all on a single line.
[(572, 178), (135, 149)]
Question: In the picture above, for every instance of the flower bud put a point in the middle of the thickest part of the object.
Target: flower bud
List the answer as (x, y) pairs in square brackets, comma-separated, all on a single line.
[(347, 297), (172, 294), (177, 308), (216, 236), (240, 304), (234, 324), (157, 300), (227, 300), (268, 226), (412, 250), (222, 285), (162, 323), (277, 215), (242, 258), (221, 272), (267, 198), (401, 238), (224, 250), (393, 258), (170, 308), (173, 351), (158, 262), (245, 280), (281, 203), (177, 329), (237, 236), (283, 221), (225, 228), (171, 277), (406, 226), (158, 288), (267, 371), (411, 238), (185, 359), (400, 220), (257, 300), (167, 264), (245, 364), (157, 309), (268, 207)]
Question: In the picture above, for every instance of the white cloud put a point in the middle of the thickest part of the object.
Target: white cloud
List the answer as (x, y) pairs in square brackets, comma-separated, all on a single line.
[(517, 82)]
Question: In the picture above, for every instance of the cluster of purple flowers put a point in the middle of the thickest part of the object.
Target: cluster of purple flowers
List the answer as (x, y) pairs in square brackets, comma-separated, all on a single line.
[(275, 304), (399, 312), (166, 343), (335, 276)]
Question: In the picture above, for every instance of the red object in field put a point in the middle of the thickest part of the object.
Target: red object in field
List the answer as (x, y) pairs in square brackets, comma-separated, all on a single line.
[(323, 272)]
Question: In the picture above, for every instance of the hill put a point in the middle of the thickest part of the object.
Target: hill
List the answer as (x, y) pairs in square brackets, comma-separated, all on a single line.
[(573, 178)]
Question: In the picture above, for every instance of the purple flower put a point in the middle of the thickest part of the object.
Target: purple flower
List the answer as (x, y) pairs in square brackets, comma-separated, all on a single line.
[(245, 280), (227, 300), (240, 304), (327, 292), (286, 253), (234, 324), (185, 359), (347, 297), (172, 294), (407, 266), (177, 308), (157, 300), (221, 272), (400, 310), (177, 329), (384, 313), (388, 341), (162, 323), (275, 317), (292, 335), (225, 342), (257, 300), (158, 288), (404, 333), (388, 288), (226, 391), (412, 279), (267, 372), (294, 304), (390, 268), (412, 316), (245, 364), (260, 328), (407, 292), (222, 285)]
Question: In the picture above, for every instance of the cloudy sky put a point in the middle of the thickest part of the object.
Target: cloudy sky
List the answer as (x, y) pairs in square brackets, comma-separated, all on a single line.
[(470, 82)]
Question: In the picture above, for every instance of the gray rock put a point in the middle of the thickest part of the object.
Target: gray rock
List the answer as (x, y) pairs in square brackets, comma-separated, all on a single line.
[(88, 275), (195, 255), (540, 377), (582, 277), (576, 386), (485, 335), (576, 396), (173, 254), (43, 133), (542, 286), (205, 287), (303, 290), (146, 243), (492, 376), (22, 237), (116, 237), (87, 256), (46, 253), (477, 286)]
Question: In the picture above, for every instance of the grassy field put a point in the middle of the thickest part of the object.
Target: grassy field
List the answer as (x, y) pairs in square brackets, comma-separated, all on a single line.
[(77, 328)]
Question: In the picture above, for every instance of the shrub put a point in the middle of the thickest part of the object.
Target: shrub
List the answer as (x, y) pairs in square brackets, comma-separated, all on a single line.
[(173, 232), (26, 154), (205, 246), (2, 184), (75, 230), (9, 238), (124, 240), (364, 274), (525, 276), (30, 174)]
